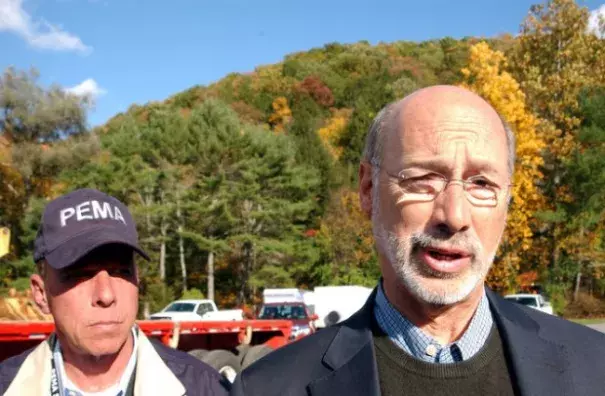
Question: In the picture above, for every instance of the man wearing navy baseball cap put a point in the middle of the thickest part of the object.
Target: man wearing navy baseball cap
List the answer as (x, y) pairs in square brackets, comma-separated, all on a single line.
[(87, 279)]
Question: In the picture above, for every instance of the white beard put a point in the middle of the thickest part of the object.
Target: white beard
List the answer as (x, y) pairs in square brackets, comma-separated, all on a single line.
[(425, 284)]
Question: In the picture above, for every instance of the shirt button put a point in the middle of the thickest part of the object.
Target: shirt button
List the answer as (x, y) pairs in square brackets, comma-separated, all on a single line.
[(431, 350)]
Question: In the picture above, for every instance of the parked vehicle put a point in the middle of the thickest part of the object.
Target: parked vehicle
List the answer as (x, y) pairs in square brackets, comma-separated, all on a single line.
[(192, 310), (328, 305), (535, 301), (288, 304), (288, 295), (333, 304), (302, 319)]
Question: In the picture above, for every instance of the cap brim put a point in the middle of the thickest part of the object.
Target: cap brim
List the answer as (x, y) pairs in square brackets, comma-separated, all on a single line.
[(74, 249)]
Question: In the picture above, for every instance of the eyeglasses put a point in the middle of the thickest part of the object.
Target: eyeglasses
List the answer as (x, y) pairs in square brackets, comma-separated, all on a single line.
[(479, 190)]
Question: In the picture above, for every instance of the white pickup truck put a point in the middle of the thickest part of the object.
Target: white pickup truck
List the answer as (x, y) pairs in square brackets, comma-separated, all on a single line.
[(193, 310), (535, 301)]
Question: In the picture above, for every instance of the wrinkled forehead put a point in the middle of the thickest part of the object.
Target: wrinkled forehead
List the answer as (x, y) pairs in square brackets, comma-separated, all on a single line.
[(446, 137), (449, 135)]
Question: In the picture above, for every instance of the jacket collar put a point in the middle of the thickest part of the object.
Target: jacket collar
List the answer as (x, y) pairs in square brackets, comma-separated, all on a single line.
[(539, 365), (351, 357), (153, 377), (33, 377)]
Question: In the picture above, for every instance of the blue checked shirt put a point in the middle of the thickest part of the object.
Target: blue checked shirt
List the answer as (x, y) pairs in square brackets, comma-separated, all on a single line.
[(422, 346)]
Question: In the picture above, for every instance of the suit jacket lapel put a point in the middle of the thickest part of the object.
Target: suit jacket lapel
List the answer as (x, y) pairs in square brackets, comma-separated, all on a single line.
[(351, 357), (539, 365)]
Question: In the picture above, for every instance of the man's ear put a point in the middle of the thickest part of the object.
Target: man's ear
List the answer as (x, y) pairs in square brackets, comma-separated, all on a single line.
[(36, 284), (137, 274), (365, 188), (136, 269)]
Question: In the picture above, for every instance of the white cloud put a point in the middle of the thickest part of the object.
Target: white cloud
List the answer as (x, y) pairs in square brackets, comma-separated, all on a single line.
[(87, 88), (39, 34), (593, 21)]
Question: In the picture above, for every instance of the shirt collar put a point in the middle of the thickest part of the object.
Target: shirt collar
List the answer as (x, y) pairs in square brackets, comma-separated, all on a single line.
[(421, 345)]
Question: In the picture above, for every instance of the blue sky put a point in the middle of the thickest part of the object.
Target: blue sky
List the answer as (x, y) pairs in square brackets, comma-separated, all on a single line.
[(127, 52)]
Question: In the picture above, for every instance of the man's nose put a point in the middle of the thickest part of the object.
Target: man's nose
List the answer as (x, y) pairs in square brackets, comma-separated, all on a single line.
[(452, 212), (103, 294)]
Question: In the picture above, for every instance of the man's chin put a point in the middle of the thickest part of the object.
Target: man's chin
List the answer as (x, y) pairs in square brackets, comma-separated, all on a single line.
[(440, 292), (105, 346), (101, 351)]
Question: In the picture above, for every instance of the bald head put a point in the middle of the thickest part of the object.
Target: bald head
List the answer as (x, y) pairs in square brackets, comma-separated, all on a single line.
[(440, 107)]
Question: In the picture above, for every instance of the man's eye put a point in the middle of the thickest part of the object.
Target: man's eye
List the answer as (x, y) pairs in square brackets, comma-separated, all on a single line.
[(422, 184), (421, 178), (121, 272), (482, 183), (77, 276)]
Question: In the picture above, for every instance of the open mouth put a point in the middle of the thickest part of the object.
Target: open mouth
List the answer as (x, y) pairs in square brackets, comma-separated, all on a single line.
[(440, 255), (442, 261)]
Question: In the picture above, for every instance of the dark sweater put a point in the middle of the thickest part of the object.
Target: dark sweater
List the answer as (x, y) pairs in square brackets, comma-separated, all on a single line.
[(486, 373)]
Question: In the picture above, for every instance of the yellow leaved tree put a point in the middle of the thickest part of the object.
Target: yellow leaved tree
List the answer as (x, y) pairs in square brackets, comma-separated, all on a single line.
[(331, 132), (486, 76), (281, 114), (556, 57)]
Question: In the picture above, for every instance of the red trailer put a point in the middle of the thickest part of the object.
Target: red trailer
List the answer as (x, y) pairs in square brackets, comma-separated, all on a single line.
[(228, 346)]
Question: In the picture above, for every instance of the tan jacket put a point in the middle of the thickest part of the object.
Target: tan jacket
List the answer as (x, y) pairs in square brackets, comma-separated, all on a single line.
[(153, 377)]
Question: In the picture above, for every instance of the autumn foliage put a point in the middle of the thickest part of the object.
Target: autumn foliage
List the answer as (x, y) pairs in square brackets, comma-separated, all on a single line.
[(318, 90), (281, 114), (230, 148), (348, 232), (487, 76), (331, 133)]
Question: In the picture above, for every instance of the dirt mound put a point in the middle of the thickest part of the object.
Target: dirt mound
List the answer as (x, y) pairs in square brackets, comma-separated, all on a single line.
[(20, 306)]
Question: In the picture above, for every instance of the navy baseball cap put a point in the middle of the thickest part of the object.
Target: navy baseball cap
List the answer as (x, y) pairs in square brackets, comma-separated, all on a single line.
[(75, 224)]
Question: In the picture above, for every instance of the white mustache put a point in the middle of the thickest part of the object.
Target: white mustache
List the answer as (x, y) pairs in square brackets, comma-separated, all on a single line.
[(463, 242)]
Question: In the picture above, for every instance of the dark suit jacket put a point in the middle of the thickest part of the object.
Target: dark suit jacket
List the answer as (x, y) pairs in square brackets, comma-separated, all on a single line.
[(548, 355)]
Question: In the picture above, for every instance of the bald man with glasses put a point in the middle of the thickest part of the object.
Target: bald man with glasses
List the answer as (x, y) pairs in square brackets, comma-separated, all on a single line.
[(435, 182)]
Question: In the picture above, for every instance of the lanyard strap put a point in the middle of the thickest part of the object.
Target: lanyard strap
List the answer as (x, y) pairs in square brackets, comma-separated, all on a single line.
[(56, 387)]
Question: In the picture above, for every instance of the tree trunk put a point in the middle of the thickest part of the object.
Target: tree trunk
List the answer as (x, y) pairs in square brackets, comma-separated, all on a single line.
[(163, 233), (146, 312), (148, 201), (577, 288), (164, 230), (181, 244), (246, 269), (579, 275), (555, 247), (555, 234), (211, 275), (182, 258)]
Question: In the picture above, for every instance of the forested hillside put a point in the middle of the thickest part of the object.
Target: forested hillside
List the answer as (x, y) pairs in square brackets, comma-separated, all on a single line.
[(251, 181)]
